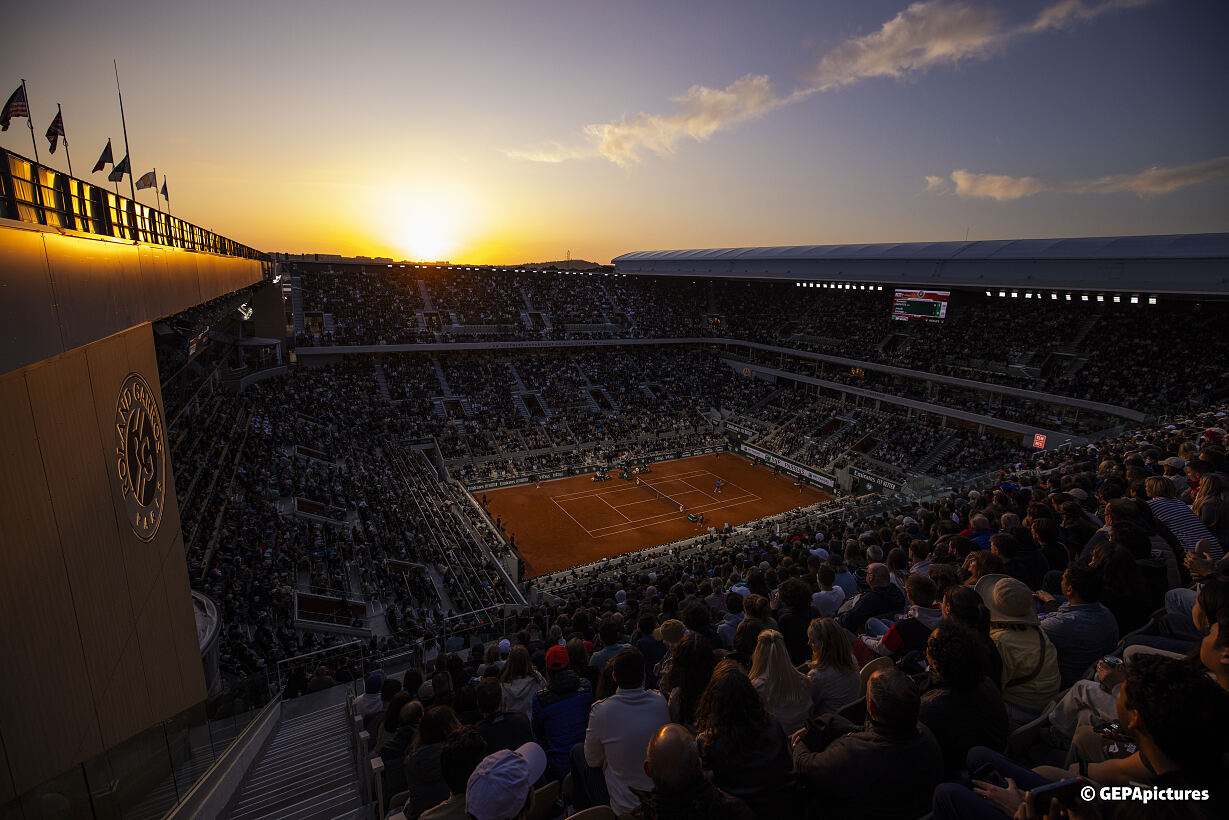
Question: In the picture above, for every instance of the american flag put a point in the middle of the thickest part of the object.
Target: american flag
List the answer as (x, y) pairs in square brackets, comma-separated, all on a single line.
[(15, 107), (55, 131)]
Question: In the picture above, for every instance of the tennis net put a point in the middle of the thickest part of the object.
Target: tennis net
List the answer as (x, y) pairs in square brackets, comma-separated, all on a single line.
[(661, 495)]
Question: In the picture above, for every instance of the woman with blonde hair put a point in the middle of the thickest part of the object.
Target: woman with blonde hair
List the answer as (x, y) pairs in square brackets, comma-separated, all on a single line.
[(1209, 505), (520, 681), (1186, 523), (832, 670), (786, 693)]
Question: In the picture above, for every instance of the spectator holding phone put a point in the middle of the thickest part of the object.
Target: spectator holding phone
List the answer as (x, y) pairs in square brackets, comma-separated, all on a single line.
[(1171, 709)]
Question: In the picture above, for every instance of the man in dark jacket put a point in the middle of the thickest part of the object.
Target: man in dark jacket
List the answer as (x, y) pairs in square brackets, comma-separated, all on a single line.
[(561, 711), (680, 789), (394, 751), (960, 705), (881, 598), (844, 765), (500, 729), (1028, 566)]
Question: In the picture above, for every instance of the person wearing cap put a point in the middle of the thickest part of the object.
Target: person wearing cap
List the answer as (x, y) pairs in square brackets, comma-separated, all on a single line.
[(620, 727), (561, 710), (1031, 676), (501, 788), (1175, 471)]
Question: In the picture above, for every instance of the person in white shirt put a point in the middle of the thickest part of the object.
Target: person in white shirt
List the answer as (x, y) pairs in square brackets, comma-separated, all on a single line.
[(830, 597), (620, 728)]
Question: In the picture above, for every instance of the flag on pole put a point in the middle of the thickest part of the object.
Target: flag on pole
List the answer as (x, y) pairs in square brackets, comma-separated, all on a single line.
[(165, 195), (55, 131), (15, 107), (117, 173), (104, 158), (147, 180)]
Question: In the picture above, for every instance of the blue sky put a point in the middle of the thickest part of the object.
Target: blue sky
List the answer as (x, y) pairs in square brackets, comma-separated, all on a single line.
[(498, 132)]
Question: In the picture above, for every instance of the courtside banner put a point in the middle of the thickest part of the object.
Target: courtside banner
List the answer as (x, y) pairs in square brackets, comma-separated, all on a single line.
[(574, 471), (789, 466), (874, 479), (738, 428)]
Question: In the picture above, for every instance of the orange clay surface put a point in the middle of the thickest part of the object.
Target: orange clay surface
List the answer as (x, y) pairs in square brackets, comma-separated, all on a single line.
[(572, 521)]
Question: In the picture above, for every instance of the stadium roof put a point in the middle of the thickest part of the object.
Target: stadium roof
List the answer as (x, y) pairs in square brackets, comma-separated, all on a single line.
[(1178, 263)]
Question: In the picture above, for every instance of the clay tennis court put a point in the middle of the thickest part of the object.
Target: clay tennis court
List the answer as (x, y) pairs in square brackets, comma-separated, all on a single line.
[(572, 521)]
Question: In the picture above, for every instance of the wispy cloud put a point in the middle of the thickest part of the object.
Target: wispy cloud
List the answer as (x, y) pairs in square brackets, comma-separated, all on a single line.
[(1152, 182), (1065, 13), (924, 35), (701, 113)]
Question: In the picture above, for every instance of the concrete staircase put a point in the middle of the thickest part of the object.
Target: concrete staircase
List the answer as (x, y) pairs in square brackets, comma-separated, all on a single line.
[(427, 302), (523, 409), (516, 378), (937, 452), (439, 374), (382, 382), (1084, 331), (296, 304), (307, 769)]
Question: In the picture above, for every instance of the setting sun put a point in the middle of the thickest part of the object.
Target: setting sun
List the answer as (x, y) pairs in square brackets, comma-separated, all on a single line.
[(431, 222)]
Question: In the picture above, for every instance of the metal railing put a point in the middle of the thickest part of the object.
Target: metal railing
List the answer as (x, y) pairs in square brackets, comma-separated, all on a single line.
[(34, 193), (150, 773)]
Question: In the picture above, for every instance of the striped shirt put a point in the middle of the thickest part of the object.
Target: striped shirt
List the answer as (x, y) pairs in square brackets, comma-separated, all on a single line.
[(1184, 524)]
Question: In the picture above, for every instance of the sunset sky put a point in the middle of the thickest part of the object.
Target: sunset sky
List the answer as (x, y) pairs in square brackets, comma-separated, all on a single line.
[(508, 132)]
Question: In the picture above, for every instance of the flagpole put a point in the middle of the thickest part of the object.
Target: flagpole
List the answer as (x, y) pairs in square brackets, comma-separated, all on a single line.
[(157, 193), (160, 190), (127, 152), (30, 121), (60, 110)]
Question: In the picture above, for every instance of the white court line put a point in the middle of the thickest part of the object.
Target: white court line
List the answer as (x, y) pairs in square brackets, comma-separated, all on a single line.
[(651, 522), (613, 507), (624, 488), (660, 518), (715, 503), (588, 532), (618, 488)]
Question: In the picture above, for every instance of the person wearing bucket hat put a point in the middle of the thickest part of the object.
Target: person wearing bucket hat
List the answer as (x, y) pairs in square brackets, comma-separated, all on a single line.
[(1031, 677)]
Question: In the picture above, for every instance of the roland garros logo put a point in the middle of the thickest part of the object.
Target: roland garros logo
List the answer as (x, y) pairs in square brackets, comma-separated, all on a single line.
[(140, 455)]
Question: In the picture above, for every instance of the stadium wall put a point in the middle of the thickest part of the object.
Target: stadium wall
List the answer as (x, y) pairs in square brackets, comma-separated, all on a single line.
[(63, 289), (99, 639)]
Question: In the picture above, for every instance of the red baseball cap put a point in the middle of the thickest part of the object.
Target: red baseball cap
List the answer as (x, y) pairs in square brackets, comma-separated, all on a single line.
[(557, 658)]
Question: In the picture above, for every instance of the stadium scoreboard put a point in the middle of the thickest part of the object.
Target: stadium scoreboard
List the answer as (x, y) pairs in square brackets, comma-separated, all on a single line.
[(920, 305)]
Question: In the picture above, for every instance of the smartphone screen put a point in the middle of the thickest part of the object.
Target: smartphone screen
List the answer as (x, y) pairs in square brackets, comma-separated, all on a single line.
[(988, 774), (1065, 791)]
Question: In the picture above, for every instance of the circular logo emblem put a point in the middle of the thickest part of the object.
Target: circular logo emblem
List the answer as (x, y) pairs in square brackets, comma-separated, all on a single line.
[(140, 451)]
